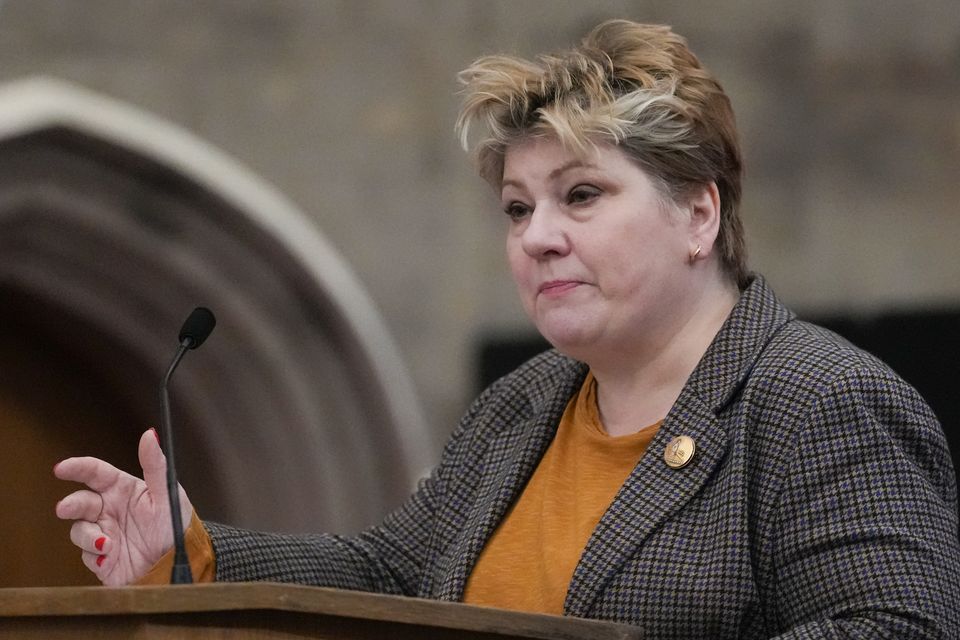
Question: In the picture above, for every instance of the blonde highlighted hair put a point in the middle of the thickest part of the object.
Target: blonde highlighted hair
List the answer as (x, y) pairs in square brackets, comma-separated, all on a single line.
[(633, 85)]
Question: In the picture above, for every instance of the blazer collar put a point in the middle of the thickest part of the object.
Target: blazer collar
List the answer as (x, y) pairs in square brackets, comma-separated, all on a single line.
[(757, 316)]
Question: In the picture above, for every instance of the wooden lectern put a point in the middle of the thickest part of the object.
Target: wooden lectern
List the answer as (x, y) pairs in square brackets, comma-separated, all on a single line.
[(268, 611)]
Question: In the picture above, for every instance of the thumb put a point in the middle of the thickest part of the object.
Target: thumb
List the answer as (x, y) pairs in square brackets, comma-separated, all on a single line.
[(154, 464)]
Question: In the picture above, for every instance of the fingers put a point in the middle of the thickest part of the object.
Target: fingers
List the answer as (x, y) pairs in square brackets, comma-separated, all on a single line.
[(154, 464), (95, 562), (93, 472), (94, 546), (89, 537), (80, 505)]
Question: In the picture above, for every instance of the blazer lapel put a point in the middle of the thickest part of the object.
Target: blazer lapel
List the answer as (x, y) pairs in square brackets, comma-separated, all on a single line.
[(514, 456), (654, 491), (651, 495)]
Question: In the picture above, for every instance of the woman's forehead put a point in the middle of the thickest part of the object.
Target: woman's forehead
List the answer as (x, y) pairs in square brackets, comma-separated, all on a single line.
[(548, 158)]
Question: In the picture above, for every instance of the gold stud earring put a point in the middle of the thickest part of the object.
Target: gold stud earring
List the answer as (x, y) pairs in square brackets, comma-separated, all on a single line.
[(693, 256)]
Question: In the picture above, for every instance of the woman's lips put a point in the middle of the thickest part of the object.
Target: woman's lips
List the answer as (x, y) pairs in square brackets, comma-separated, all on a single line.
[(557, 287)]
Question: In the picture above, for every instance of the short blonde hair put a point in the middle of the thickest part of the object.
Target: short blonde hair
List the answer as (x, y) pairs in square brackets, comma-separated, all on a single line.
[(633, 85)]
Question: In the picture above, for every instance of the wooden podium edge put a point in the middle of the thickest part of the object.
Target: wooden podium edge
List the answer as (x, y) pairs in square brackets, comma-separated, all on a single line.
[(265, 596)]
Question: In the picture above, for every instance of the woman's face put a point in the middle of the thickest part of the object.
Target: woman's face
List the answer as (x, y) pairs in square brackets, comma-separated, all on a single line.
[(599, 256)]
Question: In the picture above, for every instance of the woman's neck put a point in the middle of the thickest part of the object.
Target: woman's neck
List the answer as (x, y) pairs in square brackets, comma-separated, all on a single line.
[(638, 387)]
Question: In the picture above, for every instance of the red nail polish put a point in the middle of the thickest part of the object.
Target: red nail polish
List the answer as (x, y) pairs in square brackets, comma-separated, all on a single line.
[(157, 435), (99, 543), (100, 560)]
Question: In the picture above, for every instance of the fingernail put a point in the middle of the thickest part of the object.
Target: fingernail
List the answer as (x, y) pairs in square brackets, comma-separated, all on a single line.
[(100, 560), (99, 543), (55, 468), (157, 435)]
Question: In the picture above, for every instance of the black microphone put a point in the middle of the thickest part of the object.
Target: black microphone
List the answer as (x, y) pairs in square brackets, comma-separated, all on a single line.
[(197, 327), (195, 330)]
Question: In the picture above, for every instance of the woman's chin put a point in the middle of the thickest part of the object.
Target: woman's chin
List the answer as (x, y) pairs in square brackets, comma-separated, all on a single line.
[(570, 340)]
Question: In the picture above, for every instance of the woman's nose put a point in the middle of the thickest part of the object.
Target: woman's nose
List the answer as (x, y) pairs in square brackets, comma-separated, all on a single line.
[(545, 234)]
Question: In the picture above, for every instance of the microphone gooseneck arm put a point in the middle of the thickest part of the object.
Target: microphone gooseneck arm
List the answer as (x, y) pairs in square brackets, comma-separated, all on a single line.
[(195, 330), (181, 564)]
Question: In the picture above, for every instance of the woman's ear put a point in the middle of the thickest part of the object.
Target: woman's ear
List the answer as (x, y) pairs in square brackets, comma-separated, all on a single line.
[(703, 206)]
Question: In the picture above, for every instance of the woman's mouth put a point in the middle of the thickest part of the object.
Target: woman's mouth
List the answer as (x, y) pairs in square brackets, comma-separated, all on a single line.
[(557, 287)]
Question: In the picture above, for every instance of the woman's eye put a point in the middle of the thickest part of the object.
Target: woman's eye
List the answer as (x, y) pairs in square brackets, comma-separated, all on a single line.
[(516, 210), (582, 194)]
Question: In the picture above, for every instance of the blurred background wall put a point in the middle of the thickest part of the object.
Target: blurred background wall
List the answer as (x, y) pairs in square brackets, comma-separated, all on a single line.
[(849, 113)]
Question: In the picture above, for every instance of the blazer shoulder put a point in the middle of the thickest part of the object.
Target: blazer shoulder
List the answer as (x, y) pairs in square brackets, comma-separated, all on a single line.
[(814, 359), (806, 368), (812, 383)]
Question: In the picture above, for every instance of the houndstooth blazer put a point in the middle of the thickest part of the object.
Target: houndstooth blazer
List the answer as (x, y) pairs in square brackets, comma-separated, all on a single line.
[(821, 502)]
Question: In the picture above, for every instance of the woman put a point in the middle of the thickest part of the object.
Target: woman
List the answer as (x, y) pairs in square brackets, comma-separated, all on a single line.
[(794, 486)]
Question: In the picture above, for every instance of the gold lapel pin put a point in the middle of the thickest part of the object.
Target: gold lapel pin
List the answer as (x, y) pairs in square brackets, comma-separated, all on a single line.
[(679, 452)]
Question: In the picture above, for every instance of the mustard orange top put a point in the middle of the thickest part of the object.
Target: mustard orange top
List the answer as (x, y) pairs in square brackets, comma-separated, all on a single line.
[(529, 560)]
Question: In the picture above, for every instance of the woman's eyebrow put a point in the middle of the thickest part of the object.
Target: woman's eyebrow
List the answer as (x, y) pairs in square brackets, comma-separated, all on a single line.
[(573, 164)]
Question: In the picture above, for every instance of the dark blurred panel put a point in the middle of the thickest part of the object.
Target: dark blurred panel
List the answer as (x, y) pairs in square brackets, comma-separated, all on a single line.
[(498, 355)]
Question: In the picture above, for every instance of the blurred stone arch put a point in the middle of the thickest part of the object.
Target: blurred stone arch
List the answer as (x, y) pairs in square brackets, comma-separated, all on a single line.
[(296, 415)]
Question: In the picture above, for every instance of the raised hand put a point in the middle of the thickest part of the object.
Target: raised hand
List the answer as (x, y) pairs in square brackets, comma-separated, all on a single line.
[(122, 523)]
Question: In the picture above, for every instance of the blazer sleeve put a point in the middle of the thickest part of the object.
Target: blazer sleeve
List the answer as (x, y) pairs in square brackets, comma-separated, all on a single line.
[(866, 543), (388, 558)]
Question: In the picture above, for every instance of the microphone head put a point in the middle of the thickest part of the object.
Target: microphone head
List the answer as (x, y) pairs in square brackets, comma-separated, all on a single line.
[(197, 327)]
